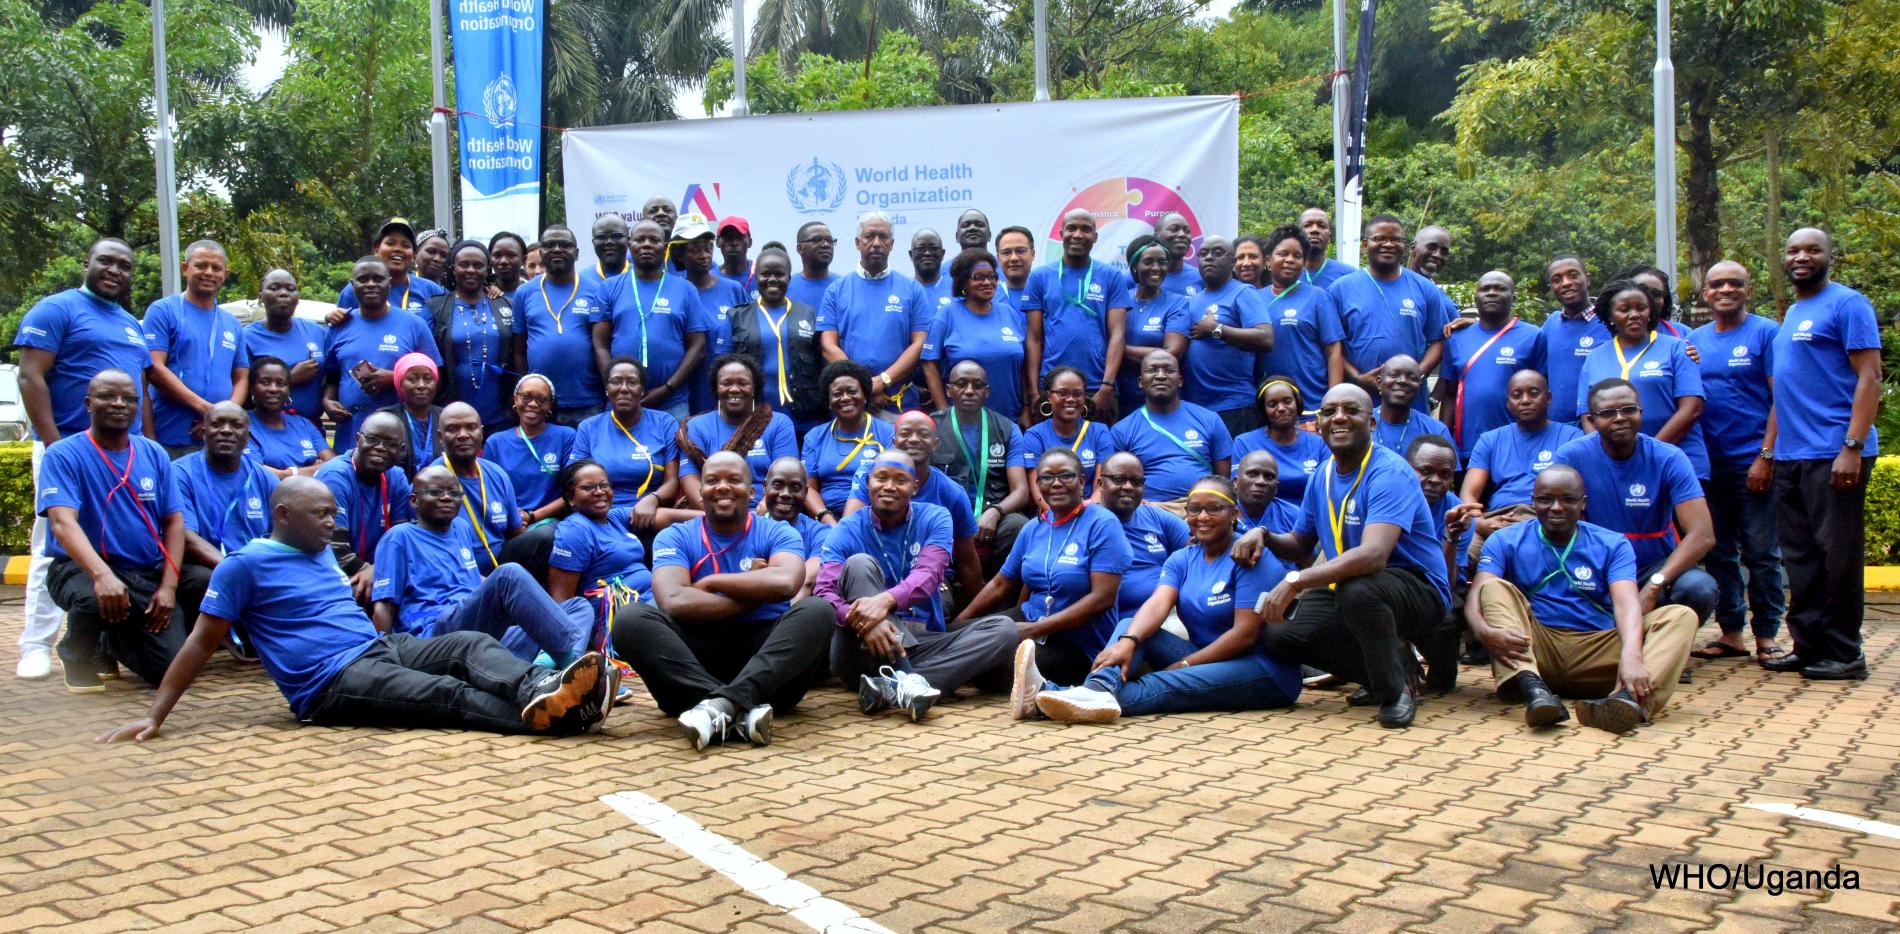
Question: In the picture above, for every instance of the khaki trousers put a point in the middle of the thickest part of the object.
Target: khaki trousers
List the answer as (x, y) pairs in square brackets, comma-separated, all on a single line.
[(1583, 664)]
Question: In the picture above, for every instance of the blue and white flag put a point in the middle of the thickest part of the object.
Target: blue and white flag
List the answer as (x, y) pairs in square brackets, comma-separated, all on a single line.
[(498, 91)]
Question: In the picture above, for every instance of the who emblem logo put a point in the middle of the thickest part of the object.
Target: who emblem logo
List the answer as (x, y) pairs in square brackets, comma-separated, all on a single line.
[(499, 100), (815, 188)]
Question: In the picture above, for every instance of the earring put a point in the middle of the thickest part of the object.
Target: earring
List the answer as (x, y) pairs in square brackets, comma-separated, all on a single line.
[(1047, 409)]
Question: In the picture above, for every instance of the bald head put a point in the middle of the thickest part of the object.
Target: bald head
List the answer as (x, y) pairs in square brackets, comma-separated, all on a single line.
[(303, 514)]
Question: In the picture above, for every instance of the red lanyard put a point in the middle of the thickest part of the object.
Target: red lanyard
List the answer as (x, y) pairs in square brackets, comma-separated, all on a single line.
[(1050, 516), (1458, 429), (712, 555), (125, 483)]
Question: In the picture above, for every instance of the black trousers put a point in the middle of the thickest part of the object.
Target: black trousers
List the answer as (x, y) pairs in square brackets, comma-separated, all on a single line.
[(1359, 630), (459, 680), (90, 638), (532, 549), (1823, 548), (748, 664)]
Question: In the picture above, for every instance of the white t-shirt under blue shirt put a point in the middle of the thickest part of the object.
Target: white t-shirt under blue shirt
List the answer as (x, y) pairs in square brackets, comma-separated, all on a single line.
[(297, 610), (1811, 352), (1385, 492)]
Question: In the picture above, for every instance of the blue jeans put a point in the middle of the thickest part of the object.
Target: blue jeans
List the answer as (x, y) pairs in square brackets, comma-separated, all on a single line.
[(1695, 589), (1253, 681), (514, 609), (1747, 535)]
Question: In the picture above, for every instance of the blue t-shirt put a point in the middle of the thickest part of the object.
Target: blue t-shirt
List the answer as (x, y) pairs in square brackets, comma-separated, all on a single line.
[(297, 611), (533, 464), (746, 282), (382, 342), (1637, 497), (1574, 597), (809, 291), (1385, 493), (1735, 368), (1305, 320), (1279, 516), (480, 360), (711, 431), (936, 294), (297, 444), (1153, 534), (813, 533), (1055, 562), (1217, 375), (1567, 341), (1093, 443), (1185, 282), (833, 460), (85, 334), (1298, 461), (685, 546), (302, 343), (227, 510), (425, 572), (1811, 353), (488, 498), (1149, 323), (1331, 272), (1485, 380), (125, 523), (993, 339), (937, 489), (1399, 437), (366, 510), (874, 318), (557, 320), (412, 294), (1514, 457), (716, 303), (651, 320), (895, 550), (1074, 305), (603, 551), (635, 455), (1383, 319), (1210, 591), (1177, 448), (1662, 373)]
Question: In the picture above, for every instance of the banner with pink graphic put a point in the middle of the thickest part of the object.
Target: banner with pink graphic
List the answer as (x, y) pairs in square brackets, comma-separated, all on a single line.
[(1127, 162)]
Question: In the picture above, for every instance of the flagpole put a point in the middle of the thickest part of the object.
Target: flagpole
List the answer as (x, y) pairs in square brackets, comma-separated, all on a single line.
[(167, 172), (1664, 80), (439, 126), (1342, 108), (740, 105), (1042, 50)]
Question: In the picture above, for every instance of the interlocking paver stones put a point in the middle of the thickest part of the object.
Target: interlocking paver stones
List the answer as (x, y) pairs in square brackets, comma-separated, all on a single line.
[(237, 818)]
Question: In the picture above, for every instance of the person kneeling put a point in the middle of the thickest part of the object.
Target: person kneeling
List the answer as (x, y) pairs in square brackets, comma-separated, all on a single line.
[(882, 569), (1220, 665), (335, 668), (1539, 606), (725, 647)]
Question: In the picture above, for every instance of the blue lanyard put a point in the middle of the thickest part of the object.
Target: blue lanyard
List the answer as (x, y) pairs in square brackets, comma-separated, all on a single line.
[(1052, 554), (426, 444), (232, 506), (894, 568), (646, 311), (1183, 445), (1405, 431), (483, 324)]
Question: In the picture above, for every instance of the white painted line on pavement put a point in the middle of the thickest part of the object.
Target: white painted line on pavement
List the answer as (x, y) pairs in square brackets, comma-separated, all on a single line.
[(751, 873), (1861, 824)]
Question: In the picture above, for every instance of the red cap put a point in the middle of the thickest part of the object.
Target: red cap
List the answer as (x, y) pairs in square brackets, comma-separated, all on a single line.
[(734, 222)]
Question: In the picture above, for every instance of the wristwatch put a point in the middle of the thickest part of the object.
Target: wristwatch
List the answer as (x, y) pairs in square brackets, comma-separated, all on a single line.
[(1852, 444), (1657, 580), (1218, 327), (1293, 578), (1766, 454)]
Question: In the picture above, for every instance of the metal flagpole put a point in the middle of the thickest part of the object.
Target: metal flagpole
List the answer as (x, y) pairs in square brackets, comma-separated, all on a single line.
[(1042, 50), (1342, 109), (439, 126), (167, 173), (740, 105), (1665, 132)]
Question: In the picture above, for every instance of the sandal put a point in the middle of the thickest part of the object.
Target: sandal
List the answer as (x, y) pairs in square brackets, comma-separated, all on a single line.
[(1719, 650), (1770, 653)]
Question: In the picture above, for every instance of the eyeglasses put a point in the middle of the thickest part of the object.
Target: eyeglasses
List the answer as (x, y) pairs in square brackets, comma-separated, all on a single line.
[(1627, 411), (1331, 411), (1205, 510), (379, 441), (591, 489), (436, 494), (1728, 283), (969, 384), (827, 240), (1068, 393), (976, 277), (1064, 476), (1545, 502), (533, 399), (1116, 479)]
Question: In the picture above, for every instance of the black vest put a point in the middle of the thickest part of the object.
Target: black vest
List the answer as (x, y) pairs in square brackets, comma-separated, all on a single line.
[(802, 360), (442, 325), (949, 457)]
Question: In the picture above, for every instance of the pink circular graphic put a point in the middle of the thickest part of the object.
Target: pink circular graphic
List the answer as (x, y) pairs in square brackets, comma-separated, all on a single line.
[(1126, 208)]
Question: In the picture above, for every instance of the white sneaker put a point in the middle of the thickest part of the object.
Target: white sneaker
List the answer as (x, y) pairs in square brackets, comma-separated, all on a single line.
[(911, 691), (1026, 680), (1079, 705), (756, 726), (704, 724), (36, 662)]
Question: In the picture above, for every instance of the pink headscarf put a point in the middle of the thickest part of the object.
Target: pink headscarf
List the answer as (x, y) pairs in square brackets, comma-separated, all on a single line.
[(410, 361)]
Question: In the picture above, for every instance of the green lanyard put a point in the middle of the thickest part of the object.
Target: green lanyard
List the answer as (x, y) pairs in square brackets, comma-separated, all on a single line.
[(1562, 557), (983, 472)]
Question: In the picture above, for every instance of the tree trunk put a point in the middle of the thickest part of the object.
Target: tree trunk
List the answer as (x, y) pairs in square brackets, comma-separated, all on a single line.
[(1704, 221), (1771, 225)]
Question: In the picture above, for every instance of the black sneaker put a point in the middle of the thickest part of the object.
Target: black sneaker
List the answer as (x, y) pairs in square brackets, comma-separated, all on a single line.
[(83, 679), (560, 693)]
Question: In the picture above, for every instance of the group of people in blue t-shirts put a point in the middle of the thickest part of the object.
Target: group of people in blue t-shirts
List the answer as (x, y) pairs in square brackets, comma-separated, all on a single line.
[(1107, 488)]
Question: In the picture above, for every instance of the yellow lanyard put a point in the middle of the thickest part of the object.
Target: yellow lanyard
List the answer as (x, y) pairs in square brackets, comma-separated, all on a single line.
[(405, 293), (862, 440), (1626, 364), (1077, 446), (1336, 518), (478, 519), (576, 290), (642, 491), (784, 388)]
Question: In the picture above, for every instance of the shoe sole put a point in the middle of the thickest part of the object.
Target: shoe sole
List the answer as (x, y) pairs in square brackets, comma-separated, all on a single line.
[(1022, 699), (578, 683), (1062, 710), (1856, 676), (920, 706), (761, 733), (692, 736), (870, 699), (85, 688), (1541, 715), (1611, 716)]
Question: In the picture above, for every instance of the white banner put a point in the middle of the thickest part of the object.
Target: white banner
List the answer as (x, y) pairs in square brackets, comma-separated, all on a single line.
[(1127, 161)]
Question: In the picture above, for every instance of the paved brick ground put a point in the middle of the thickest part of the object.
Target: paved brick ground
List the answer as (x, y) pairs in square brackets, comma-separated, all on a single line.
[(239, 819)]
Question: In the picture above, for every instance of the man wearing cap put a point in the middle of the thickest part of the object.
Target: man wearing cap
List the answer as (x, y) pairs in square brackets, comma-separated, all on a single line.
[(878, 317), (395, 245), (360, 351), (693, 243), (654, 316), (735, 239)]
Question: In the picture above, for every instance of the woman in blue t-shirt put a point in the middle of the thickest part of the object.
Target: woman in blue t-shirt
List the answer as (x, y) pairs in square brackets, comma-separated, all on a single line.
[(286, 444), (1071, 560), (597, 553), (1298, 452), (741, 423), (1065, 406), (975, 327), (835, 450), (638, 446), (1219, 666), (1668, 381), (533, 451)]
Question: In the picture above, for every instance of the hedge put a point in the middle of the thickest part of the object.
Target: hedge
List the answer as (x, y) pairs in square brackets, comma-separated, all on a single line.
[(1883, 512)]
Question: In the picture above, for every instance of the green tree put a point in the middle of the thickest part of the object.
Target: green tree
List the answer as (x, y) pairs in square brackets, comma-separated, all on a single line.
[(621, 61), (898, 74)]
